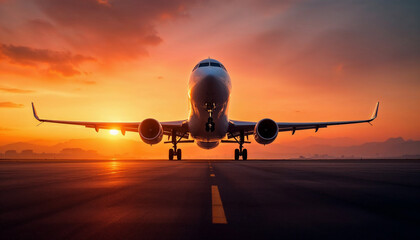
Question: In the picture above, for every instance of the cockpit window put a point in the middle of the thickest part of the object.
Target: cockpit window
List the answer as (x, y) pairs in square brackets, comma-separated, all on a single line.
[(214, 64), (206, 64), (196, 66)]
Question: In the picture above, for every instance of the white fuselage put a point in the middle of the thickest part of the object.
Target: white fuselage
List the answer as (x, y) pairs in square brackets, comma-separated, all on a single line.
[(208, 85)]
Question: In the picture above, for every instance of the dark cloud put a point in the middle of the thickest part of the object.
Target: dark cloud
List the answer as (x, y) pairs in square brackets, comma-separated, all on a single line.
[(34, 33), (10, 105), (15, 90), (64, 63), (110, 29)]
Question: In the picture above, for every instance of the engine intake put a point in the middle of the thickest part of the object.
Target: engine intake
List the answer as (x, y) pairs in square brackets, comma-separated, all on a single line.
[(151, 131), (266, 131)]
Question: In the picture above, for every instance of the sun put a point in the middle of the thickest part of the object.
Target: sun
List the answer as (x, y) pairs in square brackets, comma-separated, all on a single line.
[(113, 132)]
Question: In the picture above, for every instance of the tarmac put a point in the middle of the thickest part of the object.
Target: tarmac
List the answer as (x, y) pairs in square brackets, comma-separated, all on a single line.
[(209, 199)]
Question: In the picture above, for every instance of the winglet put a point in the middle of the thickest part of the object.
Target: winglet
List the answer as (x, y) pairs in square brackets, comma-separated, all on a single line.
[(375, 112), (34, 111)]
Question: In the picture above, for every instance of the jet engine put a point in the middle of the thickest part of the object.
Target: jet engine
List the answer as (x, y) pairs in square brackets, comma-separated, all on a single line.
[(151, 131), (265, 132)]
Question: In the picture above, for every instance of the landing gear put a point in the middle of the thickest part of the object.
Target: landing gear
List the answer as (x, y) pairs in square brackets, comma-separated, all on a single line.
[(241, 151), (210, 124), (171, 154), (244, 154), (178, 154), (174, 151)]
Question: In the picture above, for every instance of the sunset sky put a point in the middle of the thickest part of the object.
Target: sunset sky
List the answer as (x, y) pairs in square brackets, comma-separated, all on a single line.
[(127, 60)]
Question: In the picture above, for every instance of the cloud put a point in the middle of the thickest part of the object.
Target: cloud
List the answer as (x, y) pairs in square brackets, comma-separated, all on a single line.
[(109, 30), (320, 38), (64, 63), (15, 90), (10, 105)]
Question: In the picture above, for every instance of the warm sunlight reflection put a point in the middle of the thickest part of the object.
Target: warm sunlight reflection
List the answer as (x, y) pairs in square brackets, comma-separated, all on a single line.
[(113, 173), (114, 167), (113, 132)]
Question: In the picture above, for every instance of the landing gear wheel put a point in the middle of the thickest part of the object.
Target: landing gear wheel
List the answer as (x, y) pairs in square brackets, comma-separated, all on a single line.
[(236, 154), (244, 154), (178, 154), (171, 154)]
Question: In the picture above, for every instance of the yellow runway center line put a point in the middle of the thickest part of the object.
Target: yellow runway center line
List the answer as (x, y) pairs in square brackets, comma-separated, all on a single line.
[(212, 175), (218, 213)]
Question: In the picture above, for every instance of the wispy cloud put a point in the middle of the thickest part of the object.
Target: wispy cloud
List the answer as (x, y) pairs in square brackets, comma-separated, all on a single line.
[(10, 105), (65, 63), (15, 90)]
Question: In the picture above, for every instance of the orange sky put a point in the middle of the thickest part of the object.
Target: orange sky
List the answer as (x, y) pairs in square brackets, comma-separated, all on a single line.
[(130, 60)]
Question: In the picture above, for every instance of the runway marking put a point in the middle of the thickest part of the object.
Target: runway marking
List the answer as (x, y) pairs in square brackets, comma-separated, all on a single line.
[(212, 175), (218, 213)]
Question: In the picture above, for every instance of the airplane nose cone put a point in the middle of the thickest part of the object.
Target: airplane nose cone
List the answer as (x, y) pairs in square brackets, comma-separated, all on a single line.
[(210, 81), (211, 88)]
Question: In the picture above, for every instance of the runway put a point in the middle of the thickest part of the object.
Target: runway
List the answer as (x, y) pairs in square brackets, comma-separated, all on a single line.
[(135, 199)]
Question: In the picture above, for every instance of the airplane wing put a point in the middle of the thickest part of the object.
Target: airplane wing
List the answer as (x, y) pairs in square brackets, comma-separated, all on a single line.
[(236, 127), (179, 126)]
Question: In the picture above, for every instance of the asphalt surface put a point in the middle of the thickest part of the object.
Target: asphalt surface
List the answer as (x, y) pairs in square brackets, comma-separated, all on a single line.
[(329, 199)]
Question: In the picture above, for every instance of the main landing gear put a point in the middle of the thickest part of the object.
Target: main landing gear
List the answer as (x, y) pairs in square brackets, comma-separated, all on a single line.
[(241, 151), (174, 151), (210, 124)]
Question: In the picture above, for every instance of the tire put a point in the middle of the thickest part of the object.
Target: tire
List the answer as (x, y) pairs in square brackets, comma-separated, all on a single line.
[(236, 154), (171, 154), (244, 154), (178, 154)]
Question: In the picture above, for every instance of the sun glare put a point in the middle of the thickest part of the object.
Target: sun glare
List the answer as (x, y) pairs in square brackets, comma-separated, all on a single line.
[(113, 132)]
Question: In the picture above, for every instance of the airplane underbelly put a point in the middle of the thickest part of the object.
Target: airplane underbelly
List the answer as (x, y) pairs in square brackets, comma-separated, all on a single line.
[(209, 91), (197, 128)]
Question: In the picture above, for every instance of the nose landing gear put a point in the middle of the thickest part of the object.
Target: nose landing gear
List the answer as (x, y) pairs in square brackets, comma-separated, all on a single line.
[(210, 124)]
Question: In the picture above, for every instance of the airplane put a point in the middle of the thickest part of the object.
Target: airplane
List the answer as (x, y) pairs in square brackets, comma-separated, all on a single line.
[(208, 124)]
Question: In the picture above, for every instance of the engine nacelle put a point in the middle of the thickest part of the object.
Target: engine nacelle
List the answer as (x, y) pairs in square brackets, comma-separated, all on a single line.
[(151, 131), (265, 132)]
